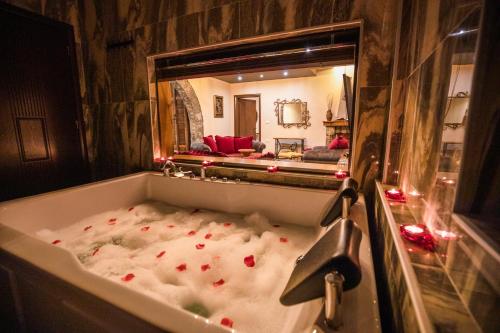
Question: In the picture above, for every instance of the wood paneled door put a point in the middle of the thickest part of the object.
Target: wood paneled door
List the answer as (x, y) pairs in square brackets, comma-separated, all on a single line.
[(42, 146), (247, 116)]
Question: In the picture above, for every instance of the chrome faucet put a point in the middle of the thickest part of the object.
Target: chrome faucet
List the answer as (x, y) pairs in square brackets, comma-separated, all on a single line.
[(165, 168)]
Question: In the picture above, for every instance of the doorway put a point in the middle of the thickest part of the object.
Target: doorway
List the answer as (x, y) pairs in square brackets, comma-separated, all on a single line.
[(247, 116), (42, 134)]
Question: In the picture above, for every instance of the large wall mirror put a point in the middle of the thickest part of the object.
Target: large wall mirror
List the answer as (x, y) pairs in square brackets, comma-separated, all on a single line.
[(288, 108), (292, 113)]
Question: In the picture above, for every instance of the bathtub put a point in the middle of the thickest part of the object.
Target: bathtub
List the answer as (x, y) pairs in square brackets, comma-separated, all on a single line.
[(44, 287)]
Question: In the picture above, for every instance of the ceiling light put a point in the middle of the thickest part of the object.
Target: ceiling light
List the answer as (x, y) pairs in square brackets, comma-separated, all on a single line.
[(240, 77), (261, 76), (285, 73), (308, 50)]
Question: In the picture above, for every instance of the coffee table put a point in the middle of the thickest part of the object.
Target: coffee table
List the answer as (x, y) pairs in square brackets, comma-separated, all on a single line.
[(246, 152)]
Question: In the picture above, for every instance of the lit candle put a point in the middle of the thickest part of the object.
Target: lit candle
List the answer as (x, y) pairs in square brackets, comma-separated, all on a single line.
[(418, 234), (415, 194), (206, 163), (340, 174), (272, 169), (170, 158), (395, 195), (444, 234)]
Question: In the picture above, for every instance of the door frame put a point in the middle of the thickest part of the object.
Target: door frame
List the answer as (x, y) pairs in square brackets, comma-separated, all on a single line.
[(235, 110)]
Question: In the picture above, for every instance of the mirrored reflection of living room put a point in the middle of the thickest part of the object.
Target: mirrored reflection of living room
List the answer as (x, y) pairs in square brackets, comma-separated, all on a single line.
[(292, 117)]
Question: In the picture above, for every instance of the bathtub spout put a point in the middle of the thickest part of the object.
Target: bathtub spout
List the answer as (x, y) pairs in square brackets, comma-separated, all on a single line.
[(348, 189), (337, 250)]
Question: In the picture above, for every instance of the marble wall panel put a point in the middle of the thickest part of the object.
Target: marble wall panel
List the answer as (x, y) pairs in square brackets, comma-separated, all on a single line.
[(372, 113), (139, 136)]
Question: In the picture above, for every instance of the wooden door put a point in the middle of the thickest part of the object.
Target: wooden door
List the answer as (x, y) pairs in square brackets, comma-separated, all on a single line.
[(41, 132), (246, 117)]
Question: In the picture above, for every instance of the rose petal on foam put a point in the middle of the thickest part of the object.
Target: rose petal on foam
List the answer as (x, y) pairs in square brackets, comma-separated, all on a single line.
[(227, 224), (87, 228), (130, 209), (57, 241), (95, 252), (192, 233), (205, 267), (227, 322), (200, 246), (144, 228), (218, 283), (249, 261), (283, 239), (112, 221), (128, 277), (208, 236), (159, 255), (181, 267)]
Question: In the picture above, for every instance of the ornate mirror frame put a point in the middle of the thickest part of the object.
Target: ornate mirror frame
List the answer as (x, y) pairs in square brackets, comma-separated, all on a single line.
[(305, 116)]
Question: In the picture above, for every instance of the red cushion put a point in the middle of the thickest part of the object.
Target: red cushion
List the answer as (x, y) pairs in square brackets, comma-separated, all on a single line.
[(244, 142), (225, 144), (209, 141), (339, 142)]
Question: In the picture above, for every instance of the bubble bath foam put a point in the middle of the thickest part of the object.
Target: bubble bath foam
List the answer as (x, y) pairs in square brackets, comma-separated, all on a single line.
[(228, 268)]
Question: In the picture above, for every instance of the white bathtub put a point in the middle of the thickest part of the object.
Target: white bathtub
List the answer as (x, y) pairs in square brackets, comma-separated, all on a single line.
[(45, 286)]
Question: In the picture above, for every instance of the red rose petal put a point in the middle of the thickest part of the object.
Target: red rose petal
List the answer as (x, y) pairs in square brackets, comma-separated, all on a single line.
[(130, 209), (195, 211), (192, 233), (218, 283), (200, 246), (208, 236), (249, 261), (57, 241), (170, 226), (95, 252), (128, 277), (283, 239), (181, 267), (226, 322), (87, 228), (227, 224), (144, 228), (112, 221), (276, 225), (205, 267), (159, 255)]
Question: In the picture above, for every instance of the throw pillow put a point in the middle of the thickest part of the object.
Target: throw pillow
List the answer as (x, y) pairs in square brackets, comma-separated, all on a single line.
[(225, 144), (209, 141), (244, 142), (339, 142)]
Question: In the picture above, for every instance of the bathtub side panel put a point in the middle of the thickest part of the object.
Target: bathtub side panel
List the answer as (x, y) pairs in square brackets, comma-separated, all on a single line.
[(278, 203)]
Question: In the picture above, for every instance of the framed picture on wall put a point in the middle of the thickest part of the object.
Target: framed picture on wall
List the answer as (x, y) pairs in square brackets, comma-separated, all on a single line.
[(218, 106)]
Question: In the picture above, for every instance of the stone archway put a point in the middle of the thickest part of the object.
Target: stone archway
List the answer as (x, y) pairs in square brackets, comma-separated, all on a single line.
[(186, 92)]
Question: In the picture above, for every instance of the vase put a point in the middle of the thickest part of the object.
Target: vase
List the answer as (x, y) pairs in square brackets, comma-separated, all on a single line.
[(329, 115)]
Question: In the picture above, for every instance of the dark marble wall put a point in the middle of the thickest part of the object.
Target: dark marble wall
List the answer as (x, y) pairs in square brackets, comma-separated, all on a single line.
[(114, 77)]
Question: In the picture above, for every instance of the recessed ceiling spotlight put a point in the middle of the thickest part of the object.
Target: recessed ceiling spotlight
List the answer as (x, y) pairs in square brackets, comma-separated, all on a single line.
[(240, 77), (261, 76), (308, 50), (285, 73)]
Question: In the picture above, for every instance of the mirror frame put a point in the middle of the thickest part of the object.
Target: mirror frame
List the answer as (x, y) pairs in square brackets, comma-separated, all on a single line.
[(278, 111)]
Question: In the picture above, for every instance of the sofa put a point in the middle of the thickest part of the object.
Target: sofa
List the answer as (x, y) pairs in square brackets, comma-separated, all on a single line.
[(223, 145), (323, 154)]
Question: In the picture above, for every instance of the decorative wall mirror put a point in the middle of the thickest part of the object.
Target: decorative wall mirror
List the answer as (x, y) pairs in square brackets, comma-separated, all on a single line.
[(292, 113), (456, 110)]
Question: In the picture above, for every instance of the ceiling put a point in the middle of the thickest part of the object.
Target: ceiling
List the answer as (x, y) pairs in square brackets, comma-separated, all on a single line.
[(271, 75)]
